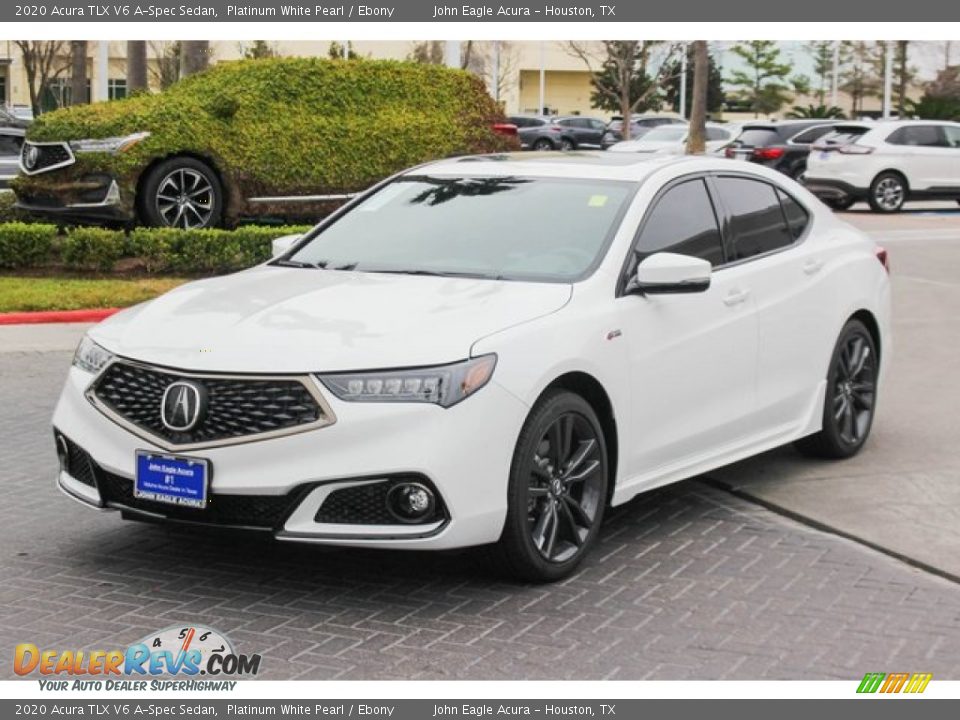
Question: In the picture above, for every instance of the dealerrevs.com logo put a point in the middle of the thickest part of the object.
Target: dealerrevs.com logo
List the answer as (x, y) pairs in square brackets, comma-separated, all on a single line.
[(176, 651), (888, 683)]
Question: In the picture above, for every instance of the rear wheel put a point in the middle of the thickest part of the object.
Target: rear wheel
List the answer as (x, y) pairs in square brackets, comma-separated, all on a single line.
[(850, 397), (567, 144), (543, 144), (182, 192), (840, 204), (888, 192), (557, 491)]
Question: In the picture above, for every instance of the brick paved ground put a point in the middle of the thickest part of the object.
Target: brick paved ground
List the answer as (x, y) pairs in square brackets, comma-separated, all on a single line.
[(687, 583)]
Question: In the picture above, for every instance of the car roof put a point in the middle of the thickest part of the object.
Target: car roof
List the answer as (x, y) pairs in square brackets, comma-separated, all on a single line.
[(894, 124), (574, 164)]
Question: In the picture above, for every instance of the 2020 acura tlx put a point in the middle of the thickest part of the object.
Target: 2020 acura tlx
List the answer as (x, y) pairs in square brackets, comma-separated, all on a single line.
[(488, 351)]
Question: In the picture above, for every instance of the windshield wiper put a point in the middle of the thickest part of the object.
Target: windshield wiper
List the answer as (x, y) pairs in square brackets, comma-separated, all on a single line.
[(440, 273), (294, 263)]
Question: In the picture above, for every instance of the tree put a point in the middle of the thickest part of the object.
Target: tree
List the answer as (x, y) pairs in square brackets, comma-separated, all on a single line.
[(428, 53), (136, 66), (825, 112), (166, 68), (258, 50), (194, 56), (903, 74), (862, 76), (78, 72), (43, 62), (715, 94), (339, 51), (697, 135), (764, 83), (626, 82), (822, 54)]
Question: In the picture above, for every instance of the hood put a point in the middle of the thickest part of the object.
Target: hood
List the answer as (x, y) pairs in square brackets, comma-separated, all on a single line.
[(289, 320)]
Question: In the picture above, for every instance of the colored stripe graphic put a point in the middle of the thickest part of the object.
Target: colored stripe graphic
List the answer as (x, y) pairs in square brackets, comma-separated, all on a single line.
[(894, 683)]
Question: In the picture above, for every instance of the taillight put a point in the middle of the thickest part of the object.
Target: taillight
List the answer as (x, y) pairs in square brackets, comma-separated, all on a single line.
[(854, 149), (768, 153), (505, 129), (882, 257), (554, 128), (729, 152)]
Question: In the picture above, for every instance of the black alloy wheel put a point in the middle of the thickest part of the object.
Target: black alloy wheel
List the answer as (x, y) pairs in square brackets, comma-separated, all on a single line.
[(558, 490), (851, 395)]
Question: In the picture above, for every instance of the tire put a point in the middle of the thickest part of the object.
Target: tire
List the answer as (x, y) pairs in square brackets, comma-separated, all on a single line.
[(554, 516), (181, 192), (798, 171), (567, 144), (543, 144), (835, 204), (850, 402), (888, 192)]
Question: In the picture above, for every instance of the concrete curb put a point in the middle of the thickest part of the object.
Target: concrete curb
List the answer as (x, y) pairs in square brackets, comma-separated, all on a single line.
[(56, 316)]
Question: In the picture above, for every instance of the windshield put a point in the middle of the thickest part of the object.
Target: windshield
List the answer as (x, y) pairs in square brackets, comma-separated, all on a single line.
[(666, 133), (509, 228)]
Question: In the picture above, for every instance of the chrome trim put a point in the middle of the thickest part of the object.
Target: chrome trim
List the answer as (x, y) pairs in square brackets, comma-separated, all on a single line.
[(111, 199), (312, 385), (76, 490), (300, 525), (303, 198), (48, 168)]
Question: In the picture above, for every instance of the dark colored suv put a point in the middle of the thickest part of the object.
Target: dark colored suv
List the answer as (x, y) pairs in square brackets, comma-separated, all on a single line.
[(558, 133), (783, 146)]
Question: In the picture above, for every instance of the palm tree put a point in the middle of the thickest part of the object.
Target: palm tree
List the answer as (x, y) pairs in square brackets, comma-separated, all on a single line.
[(819, 112)]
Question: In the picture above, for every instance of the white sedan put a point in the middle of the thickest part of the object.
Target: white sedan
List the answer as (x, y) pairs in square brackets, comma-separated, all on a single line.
[(672, 140), (488, 351)]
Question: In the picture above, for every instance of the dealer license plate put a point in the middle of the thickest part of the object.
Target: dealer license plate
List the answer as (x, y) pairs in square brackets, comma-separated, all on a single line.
[(171, 479)]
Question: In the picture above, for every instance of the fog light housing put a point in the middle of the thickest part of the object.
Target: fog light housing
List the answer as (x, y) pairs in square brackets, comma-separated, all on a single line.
[(411, 502)]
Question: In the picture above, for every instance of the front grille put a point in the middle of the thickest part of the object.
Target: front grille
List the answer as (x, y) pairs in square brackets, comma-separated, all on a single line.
[(236, 407), (48, 156), (266, 512), (366, 504)]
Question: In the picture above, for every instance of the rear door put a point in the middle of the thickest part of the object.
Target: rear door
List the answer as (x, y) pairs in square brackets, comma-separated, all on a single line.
[(767, 231)]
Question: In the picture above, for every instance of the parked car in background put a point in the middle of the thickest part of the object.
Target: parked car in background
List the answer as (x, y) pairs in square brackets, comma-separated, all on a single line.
[(886, 164), (280, 137), (584, 133), (672, 139), (783, 146), (639, 126), (568, 331), (537, 132)]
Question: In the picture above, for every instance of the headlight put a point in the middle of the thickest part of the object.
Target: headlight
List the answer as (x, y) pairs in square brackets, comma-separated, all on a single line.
[(444, 385), (90, 356), (108, 145)]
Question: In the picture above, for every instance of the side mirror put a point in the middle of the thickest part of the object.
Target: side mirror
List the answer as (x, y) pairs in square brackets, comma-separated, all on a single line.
[(669, 273), (282, 244)]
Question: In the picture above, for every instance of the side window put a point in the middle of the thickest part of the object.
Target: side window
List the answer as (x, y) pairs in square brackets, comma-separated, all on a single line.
[(717, 134), (917, 136), (597, 125), (797, 216), (683, 221), (952, 133), (757, 220)]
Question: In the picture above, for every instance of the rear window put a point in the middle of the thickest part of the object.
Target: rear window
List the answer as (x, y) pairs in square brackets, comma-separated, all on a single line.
[(758, 137), (812, 135), (843, 135)]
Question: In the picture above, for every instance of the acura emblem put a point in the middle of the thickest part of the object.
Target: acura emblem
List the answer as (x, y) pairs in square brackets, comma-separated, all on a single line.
[(183, 405), (30, 156)]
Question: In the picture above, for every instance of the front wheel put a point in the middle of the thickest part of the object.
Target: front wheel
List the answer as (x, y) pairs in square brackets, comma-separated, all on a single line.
[(557, 492), (850, 398), (182, 192), (567, 144), (543, 144), (888, 192), (839, 203)]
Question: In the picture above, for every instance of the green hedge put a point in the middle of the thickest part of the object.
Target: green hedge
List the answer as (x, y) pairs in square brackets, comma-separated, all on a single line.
[(158, 250), (282, 126)]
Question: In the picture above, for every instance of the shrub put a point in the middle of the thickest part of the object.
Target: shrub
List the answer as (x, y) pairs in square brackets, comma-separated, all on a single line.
[(282, 126), (24, 245), (89, 248), (8, 211)]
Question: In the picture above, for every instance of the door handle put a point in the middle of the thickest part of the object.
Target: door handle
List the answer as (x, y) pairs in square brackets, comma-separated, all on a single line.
[(735, 297), (812, 266)]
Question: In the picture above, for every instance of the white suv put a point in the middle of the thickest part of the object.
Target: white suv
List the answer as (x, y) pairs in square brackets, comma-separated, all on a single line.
[(886, 164)]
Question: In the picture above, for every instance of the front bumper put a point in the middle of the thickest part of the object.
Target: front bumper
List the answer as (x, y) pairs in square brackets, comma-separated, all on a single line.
[(91, 199), (463, 453)]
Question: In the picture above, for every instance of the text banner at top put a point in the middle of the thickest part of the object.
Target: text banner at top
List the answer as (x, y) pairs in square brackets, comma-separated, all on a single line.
[(420, 11)]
